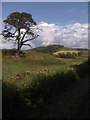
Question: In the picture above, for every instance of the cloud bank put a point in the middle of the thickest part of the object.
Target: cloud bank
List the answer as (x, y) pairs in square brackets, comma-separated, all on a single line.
[(71, 35)]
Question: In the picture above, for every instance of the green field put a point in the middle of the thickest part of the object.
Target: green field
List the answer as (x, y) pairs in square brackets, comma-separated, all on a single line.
[(0, 65), (44, 86)]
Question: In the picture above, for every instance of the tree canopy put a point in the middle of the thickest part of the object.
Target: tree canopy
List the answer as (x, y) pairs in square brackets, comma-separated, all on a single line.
[(21, 29)]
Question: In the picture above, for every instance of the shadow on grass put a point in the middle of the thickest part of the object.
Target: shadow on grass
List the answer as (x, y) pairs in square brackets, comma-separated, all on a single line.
[(47, 96), (83, 69), (12, 101)]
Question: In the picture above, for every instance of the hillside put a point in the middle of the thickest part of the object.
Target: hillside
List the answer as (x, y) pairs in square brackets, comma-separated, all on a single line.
[(61, 51), (42, 85), (49, 49)]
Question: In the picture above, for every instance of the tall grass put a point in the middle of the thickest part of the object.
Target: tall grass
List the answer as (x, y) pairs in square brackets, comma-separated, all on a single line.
[(42, 89), (55, 95), (58, 93), (43, 86), (0, 65), (84, 68)]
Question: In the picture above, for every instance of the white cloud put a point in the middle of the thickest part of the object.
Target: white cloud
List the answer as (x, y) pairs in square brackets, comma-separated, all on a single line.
[(4, 44), (71, 35)]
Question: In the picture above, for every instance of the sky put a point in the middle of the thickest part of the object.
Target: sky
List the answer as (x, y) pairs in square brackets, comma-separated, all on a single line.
[(62, 13), (45, 0), (63, 23)]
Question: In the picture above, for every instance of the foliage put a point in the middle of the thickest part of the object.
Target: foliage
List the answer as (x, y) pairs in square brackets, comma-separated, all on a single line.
[(44, 95), (80, 53), (48, 49), (52, 88), (70, 55), (12, 52), (20, 20), (84, 68), (19, 29)]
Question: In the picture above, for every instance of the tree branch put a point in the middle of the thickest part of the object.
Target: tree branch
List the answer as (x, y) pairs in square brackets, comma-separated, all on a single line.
[(8, 34), (14, 32), (28, 45), (30, 39), (24, 36)]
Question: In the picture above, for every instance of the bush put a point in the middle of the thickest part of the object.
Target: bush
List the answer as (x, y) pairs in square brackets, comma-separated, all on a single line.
[(12, 52), (45, 86), (68, 55), (80, 53), (84, 68)]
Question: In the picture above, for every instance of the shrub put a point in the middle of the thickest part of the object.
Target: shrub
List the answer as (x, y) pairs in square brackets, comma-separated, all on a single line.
[(84, 68), (80, 53), (12, 52), (68, 55), (45, 86)]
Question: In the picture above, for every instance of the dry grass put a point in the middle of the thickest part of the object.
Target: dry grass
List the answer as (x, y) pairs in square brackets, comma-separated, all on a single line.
[(66, 51)]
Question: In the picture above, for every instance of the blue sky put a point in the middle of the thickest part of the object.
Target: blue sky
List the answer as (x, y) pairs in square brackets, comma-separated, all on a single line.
[(59, 13), (64, 23), (45, 0)]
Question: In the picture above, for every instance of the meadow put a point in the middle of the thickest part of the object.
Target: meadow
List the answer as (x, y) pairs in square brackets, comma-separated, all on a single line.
[(0, 65), (41, 85)]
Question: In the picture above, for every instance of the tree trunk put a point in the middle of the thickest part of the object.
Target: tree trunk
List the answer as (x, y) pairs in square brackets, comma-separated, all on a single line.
[(18, 52), (19, 45)]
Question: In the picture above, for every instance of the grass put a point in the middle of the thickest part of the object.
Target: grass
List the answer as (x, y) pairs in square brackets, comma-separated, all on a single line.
[(48, 49), (56, 95), (0, 65), (46, 87), (35, 62), (65, 52)]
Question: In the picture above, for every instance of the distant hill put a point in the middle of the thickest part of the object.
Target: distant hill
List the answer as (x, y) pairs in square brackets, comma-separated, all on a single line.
[(49, 49)]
